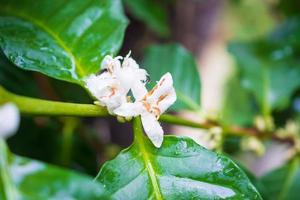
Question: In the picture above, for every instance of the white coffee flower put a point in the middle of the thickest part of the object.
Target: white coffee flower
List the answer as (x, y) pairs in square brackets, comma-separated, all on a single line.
[(9, 120), (107, 90), (111, 87), (150, 105)]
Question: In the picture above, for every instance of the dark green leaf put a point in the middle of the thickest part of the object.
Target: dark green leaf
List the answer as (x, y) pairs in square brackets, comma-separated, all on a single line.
[(62, 39), (180, 169), (173, 58), (283, 183), (289, 8), (152, 12), (270, 68), (17, 80)]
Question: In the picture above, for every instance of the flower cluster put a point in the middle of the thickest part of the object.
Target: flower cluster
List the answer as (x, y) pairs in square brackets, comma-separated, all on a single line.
[(117, 79)]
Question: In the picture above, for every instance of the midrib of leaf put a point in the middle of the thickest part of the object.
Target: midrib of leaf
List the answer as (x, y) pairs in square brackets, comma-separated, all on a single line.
[(289, 180), (139, 138), (56, 37)]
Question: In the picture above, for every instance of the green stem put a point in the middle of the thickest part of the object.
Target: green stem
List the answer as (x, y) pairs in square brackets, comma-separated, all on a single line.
[(35, 106), (172, 119), (69, 127), (9, 189)]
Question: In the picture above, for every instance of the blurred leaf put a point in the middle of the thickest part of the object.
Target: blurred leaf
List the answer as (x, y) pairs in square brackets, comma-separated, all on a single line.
[(41, 138), (152, 12), (62, 39), (283, 183), (238, 105), (173, 58), (31, 180), (290, 7), (243, 24), (180, 169), (37, 180), (270, 68), (37, 138)]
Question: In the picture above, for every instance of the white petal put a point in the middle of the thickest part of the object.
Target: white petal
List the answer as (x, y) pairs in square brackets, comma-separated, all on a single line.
[(138, 90), (126, 76), (129, 109), (152, 129), (163, 87), (133, 79), (114, 102), (164, 104), (96, 84), (109, 62), (129, 62), (108, 90), (9, 120)]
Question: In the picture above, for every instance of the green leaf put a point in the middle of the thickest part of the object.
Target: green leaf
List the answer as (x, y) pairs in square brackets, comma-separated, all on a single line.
[(173, 58), (252, 24), (180, 169), (283, 183), (153, 13), (32, 180), (269, 68), (17, 80), (36, 180), (237, 101), (62, 39)]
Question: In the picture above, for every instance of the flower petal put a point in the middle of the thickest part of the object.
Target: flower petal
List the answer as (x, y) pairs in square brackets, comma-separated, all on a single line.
[(139, 90), (96, 84), (153, 129), (130, 74), (129, 109), (167, 101), (9, 120), (163, 87), (130, 62), (111, 63), (108, 90)]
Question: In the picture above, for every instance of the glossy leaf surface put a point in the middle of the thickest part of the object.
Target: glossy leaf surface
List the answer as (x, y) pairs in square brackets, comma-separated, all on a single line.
[(17, 80), (152, 12), (173, 58), (283, 183), (62, 39), (180, 169)]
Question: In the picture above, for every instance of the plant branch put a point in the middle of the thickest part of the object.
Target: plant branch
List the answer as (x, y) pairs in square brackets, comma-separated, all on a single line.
[(231, 130), (36, 106)]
